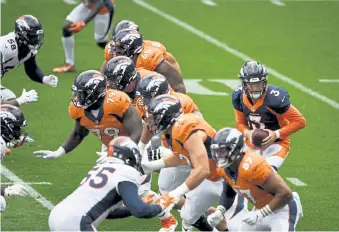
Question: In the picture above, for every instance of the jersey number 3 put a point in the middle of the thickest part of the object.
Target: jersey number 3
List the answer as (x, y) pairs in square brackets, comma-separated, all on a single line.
[(97, 179)]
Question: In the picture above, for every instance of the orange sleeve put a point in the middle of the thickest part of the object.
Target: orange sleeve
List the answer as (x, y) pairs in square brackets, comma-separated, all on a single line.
[(184, 128), (150, 58), (107, 51), (241, 121), (296, 122), (121, 102), (72, 110)]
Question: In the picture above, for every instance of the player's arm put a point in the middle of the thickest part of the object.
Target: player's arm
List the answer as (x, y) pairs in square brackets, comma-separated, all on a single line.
[(173, 76), (240, 117), (129, 194), (146, 136), (132, 124), (35, 73), (74, 139), (296, 119)]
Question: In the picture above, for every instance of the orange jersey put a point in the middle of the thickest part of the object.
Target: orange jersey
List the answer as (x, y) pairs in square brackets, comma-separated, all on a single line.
[(108, 124), (152, 54), (167, 56), (185, 126), (252, 173), (89, 4)]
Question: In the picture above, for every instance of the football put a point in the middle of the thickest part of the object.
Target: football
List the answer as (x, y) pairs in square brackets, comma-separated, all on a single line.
[(257, 137)]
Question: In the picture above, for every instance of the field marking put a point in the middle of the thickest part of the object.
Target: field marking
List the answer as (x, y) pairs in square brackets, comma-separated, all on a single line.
[(236, 53), (329, 80), (71, 2), (29, 183), (278, 2), (209, 2), (32, 192), (296, 181)]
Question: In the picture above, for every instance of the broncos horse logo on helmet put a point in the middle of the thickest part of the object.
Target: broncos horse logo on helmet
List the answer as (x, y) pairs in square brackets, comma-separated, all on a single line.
[(151, 86), (162, 112), (253, 76), (119, 71), (88, 88), (127, 43)]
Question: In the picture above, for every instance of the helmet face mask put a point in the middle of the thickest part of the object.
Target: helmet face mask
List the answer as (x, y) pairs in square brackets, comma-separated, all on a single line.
[(253, 76)]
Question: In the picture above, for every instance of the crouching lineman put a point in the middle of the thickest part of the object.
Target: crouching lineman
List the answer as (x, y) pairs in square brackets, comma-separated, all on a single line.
[(21, 47), (189, 137), (12, 121), (91, 202), (246, 173)]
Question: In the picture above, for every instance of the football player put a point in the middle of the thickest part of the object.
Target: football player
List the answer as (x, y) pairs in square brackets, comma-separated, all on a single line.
[(21, 47), (122, 75), (258, 105), (101, 12), (91, 202), (129, 25), (105, 113), (249, 174), (130, 43), (12, 122), (12, 132), (189, 137)]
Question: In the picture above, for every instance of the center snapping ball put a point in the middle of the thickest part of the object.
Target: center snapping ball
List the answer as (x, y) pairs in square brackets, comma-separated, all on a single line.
[(258, 136)]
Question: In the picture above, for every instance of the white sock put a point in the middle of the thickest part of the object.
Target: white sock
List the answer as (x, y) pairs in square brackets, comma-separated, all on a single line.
[(68, 43)]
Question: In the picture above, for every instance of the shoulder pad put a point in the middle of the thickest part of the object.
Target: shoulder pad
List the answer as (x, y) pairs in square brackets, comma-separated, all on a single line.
[(277, 99), (73, 111)]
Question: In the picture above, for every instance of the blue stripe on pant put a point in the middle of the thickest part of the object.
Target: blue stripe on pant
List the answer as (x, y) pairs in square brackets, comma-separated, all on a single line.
[(292, 215)]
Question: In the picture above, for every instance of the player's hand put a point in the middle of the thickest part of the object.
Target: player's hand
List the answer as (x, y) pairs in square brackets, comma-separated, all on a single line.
[(77, 27), (215, 218), (166, 202), (46, 154), (20, 142), (16, 190), (27, 97), (269, 139), (50, 80), (248, 135), (253, 217)]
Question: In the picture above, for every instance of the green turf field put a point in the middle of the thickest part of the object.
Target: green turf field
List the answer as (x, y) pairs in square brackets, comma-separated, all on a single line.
[(299, 40)]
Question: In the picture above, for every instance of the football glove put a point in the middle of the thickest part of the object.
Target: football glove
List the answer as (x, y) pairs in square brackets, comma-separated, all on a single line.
[(77, 27), (20, 142), (255, 216), (50, 80), (27, 97), (46, 154), (215, 218), (16, 190)]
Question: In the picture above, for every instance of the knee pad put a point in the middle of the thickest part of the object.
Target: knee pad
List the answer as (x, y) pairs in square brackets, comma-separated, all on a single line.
[(65, 31), (102, 44)]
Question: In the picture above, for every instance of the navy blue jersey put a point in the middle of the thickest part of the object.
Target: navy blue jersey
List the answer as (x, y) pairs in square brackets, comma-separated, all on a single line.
[(265, 113)]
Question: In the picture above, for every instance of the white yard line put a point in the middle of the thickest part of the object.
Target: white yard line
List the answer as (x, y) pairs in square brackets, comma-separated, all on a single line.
[(329, 80), (236, 53), (296, 181), (32, 192), (71, 2), (29, 183), (209, 2), (278, 2)]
